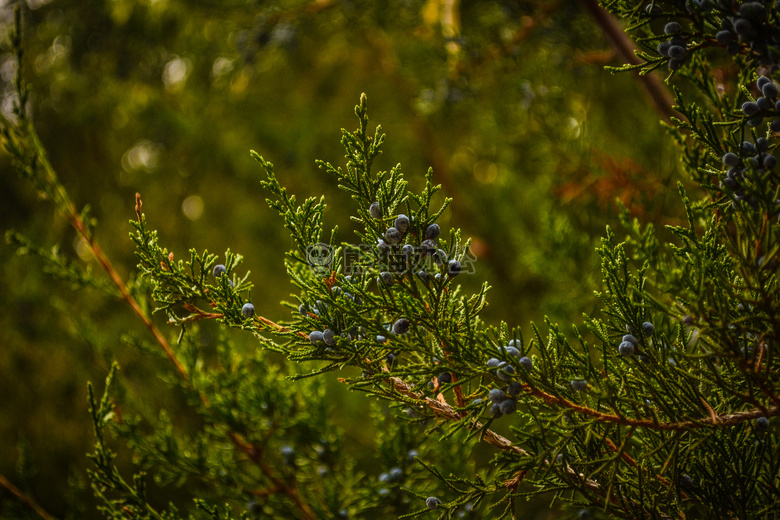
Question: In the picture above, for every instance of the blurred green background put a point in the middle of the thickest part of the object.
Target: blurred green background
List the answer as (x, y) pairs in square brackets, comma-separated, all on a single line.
[(506, 100)]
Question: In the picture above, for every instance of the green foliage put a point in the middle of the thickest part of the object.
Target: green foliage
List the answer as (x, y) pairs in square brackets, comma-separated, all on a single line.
[(666, 429)]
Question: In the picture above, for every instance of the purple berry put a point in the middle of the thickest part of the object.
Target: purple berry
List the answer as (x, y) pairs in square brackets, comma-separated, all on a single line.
[(453, 268), (579, 385), (329, 337), (497, 395), (508, 407), (401, 223), (631, 339), (444, 378), (392, 236), (248, 310), (432, 233), (374, 210), (401, 326), (626, 348), (672, 28)]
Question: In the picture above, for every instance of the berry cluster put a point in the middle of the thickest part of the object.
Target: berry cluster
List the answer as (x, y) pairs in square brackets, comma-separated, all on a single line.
[(757, 157), (751, 26), (764, 106), (408, 257), (504, 400), (676, 49)]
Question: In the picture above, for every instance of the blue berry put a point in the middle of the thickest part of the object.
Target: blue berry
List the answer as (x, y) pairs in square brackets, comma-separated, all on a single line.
[(401, 223), (631, 339), (401, 326), (762, 145), (505, 372), (288, 453), (428, 247), (439, 257), (496, 395), (218, 271), (302, 310), (512, 351), (672, 28), (626, 348), (769, 91), (526, 362), (584, 514), (761, 81), (385, 278), (514, 389), (579, 385), (744, 28), (754, 10), (432, 502), (755, 121), (412, 454), (508, 407), (432, 233), (383, 247), (248, 310), (663, 49), (395, 474), (648, 328), (329, 337), (686, 482), (688, 320), (476, 402), (392, 236), (770, 161), (374, 210), (381, 339), (453, 268), (749, 108), (444, 378), (724, 37), (653, 9), (677, 52), (764, 104), (391, 359), (407, 251), (762, 424), (315, 337), (493, 363), (495, 410), (730, 158)]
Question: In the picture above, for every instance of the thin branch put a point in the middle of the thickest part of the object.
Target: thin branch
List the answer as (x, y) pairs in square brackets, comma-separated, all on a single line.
[(625, 48), (24, 498)]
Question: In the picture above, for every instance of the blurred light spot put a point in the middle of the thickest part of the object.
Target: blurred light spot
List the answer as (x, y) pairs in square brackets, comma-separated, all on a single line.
[(192, 207), (143, 155), (10, 102), (485, 171), (82, 249), (176, 72), (221, 67), (35, 4), (8, 68), (574, 127)]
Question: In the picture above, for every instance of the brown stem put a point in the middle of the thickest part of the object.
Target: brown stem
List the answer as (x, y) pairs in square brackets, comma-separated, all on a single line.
[(623, 45), (24, 498), (716, 420), (255, 455)]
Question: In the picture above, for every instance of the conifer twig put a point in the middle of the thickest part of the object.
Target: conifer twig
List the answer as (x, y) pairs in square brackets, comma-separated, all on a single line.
[(24, 498)]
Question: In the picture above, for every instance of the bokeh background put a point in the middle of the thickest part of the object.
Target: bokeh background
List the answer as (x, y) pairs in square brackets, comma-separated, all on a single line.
[(507, 100)]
